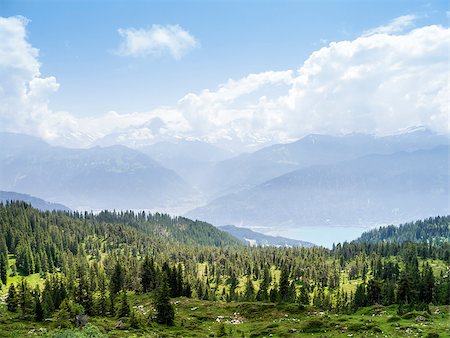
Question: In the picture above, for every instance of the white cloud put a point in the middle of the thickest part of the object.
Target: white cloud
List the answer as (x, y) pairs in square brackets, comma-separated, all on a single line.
[(24, 92), (379, 83), (394, 26), (156, 41)]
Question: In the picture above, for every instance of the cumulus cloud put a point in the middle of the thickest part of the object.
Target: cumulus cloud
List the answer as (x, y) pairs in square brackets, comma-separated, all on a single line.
[(379, 83), (396, 25), (24, 93), (156, 41)]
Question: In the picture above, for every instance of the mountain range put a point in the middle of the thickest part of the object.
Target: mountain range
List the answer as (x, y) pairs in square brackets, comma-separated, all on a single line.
[(319, 180), (373, 189), (96, 178)]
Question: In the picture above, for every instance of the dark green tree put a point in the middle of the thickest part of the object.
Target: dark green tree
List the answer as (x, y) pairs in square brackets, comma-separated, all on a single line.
[(124, 307), (11, 300), (249, 293), (165, 313), (263, 294), (148, 275), (285, 294), (25, 299), (3, 268), (38, 309)]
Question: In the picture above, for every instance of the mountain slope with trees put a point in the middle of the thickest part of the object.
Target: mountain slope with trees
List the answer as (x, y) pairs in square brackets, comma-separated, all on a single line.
[(431, 230), (125, 268)]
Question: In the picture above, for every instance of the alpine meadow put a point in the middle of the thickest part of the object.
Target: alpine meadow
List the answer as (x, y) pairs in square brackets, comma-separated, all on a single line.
[(224, 169)]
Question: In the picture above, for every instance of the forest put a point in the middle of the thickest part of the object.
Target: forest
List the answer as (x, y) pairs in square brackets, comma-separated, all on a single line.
[(70, 274)]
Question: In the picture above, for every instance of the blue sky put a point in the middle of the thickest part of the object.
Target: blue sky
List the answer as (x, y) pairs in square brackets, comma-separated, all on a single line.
[(78, 43)]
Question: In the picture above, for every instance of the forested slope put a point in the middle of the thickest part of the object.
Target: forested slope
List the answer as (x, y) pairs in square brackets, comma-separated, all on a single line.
[(63, 266), (431, 230)]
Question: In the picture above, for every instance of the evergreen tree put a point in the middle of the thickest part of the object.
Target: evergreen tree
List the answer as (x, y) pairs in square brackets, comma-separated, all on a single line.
[(284, 294), (304, 295), (12, 300), (25, 299), (117, 279), (38, 309), (373, 292), (165, 313), (249, 293), (360, 298), (3, 268), (427, 285), (262, 294), (405, 291), (124, 307), (148, 275)]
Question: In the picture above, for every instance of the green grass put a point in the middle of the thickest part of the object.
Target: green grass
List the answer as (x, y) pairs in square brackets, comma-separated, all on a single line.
[(196, 318)]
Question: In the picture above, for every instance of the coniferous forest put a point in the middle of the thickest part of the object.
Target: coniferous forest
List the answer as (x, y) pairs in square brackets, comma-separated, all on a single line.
[(116, 274)]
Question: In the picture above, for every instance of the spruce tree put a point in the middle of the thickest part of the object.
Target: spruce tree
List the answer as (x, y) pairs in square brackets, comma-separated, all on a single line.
[(285, 292), (3, 268), (304, 295), (25, 299), (165, 313), (147, 275), (38, 309), (11, 300), (262, 294), (124, 307), (249, 292)]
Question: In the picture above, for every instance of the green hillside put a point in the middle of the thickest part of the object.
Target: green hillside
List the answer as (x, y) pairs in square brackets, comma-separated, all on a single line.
[(431, 230), (134, 274)]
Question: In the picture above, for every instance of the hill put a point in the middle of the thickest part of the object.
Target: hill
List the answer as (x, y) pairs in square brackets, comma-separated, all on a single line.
[(141, 274), (254, 238), (38, 203), (431, 230)]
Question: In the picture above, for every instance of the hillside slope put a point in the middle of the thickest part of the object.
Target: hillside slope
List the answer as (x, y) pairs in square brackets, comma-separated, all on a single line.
[(38, 203), (254, 238), (433, 229)]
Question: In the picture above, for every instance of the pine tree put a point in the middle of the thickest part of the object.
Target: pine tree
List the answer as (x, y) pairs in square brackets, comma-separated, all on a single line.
[(11, 300), (117, 279), (38, 309), (373, 292), (405, 291), (165, 313), (124, 307), (249, 292), (262, 294), (25, 299), (147, 275), (3, 268), (360, 298), (285, 292), (427, 285), (134, 322), (304, 295)]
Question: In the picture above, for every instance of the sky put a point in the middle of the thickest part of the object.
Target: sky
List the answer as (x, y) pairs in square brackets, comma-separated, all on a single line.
[(234, 73)]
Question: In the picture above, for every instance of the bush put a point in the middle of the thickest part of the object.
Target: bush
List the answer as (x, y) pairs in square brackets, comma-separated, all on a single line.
[(314, 325), (433, 335), (393, 319), (414, 314), (90, 331)]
